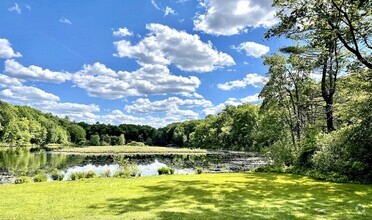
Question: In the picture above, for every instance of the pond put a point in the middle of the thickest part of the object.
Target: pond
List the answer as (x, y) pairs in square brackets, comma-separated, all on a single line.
[(16, 162)]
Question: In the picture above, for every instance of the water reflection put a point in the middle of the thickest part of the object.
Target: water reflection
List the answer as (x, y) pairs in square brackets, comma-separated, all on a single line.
[(21, 161)]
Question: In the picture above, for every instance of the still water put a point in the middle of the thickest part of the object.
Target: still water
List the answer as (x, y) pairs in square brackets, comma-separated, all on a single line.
[(23, 162)]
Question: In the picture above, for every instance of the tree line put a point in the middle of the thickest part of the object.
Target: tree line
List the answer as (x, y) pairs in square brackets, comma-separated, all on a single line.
[(25, 126)]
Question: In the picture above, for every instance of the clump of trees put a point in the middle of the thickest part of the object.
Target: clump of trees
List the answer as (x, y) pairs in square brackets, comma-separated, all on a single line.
[(26, 126), (234, 128), (326, 122), (22, 125)]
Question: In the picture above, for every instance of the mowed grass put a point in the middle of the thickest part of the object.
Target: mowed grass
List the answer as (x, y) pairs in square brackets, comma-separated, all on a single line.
[(131, 150), (205, 196)]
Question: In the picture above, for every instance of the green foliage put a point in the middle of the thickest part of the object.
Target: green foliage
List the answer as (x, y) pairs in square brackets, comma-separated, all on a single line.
[(136, 144), (128, 169), (41, 177), (234, 128), (345, 154), (165, 171), (56, 175), (23, 179), (77, 175), (90, 174), (121, 141), (95, 140), (280, 153), (199, 170), (107, 173), (77, 134), (105, 140)]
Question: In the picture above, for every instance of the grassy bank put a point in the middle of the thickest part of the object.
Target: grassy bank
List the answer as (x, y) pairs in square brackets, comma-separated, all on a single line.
[(205, 196), (131, 150)]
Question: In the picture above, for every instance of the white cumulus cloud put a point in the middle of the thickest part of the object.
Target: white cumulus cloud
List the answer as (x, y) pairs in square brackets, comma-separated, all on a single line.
[(250, 79), (6, 51), (27, 95), (122, 32), (6, 81), (103, 82), (35, 73), (253, 49), (164, 45), (229, 17), (253, 99), (145, 106)]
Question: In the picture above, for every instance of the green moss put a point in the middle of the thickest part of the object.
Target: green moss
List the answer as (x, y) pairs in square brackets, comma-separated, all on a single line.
[(204, 196)]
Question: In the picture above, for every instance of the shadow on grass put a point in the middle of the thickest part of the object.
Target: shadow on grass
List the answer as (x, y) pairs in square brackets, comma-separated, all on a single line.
[(262, 196)]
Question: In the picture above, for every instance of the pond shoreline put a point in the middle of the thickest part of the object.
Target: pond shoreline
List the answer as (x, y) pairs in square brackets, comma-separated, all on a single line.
[(123, 153), (17, 162)]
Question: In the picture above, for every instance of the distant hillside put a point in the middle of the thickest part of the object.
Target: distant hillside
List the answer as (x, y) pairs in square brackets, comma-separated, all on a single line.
[(23, 126)]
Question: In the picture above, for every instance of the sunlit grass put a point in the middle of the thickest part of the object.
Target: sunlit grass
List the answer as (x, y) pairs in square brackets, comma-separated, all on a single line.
[(205, 196), (132, 150)]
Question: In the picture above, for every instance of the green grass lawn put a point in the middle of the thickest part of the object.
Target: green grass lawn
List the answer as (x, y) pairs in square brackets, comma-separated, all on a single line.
[(131, 150), (205, 196)]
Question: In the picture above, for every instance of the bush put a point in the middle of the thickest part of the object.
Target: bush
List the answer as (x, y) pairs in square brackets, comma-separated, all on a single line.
[(22, 180), (77, 175), (280, 153), (165, 171), (136, 144), (199, 170), (107, 173), (344, 155), (56, 175), (90, 174), (128, 169), (118, 174), (41, 177)]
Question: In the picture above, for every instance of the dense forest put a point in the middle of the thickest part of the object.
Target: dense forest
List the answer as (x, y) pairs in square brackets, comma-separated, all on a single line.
[(316, 114)]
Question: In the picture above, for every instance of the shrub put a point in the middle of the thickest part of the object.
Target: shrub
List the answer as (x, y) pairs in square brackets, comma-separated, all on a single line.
[(56, 175), (280, 153), (128, 169), (135, 143), (118, 174), (41, 177), (22, 180), (199, 170), (165, 171), (77, 175), (90, 174), (344, 155), (107, 173)]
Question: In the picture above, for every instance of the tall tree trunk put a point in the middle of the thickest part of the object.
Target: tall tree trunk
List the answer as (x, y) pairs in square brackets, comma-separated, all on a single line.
[(329, 114), (328, 84)]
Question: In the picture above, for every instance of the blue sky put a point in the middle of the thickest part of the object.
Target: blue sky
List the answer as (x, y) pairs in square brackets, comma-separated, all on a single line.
[(140, 61)]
